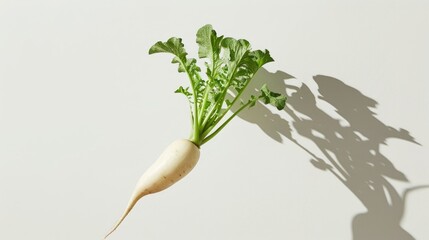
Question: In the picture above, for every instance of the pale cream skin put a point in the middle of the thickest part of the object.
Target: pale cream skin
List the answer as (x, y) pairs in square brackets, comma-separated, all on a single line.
[(177, 160)]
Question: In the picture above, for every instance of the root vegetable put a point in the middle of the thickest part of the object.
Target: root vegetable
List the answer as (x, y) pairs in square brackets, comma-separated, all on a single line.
[(231, 65), (177, 160)]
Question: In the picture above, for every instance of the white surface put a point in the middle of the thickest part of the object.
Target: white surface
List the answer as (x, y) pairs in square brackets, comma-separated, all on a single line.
[(84, 110)]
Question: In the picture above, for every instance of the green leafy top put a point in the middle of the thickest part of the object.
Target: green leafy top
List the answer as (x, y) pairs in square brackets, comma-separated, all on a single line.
[(230, 66)]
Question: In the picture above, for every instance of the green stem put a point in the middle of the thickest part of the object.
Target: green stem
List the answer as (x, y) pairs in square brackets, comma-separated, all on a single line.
[(219, 102), (232, 103), (195, 138), (206, 94), (208, 89), (208, 138)]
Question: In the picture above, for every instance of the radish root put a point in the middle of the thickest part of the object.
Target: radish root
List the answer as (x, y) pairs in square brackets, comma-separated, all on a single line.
[(177, 160)]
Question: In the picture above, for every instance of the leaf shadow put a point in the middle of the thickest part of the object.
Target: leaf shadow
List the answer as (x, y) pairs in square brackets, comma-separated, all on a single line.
[(347, 142)]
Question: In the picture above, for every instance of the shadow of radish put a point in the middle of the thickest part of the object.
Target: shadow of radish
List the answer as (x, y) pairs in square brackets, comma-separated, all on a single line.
[(348, 141)]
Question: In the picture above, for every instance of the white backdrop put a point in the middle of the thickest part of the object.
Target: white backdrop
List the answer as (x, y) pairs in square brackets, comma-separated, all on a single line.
[(84, 110)]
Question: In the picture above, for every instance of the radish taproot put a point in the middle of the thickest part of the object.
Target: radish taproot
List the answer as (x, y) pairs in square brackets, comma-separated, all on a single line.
[(175, 162), (230, 67)]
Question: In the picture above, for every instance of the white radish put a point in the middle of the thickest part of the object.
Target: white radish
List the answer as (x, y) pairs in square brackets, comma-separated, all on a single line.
[(177, 160), (231, 65)]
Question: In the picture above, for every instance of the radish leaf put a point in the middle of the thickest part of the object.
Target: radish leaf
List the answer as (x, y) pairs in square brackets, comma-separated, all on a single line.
[(230, 66)]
